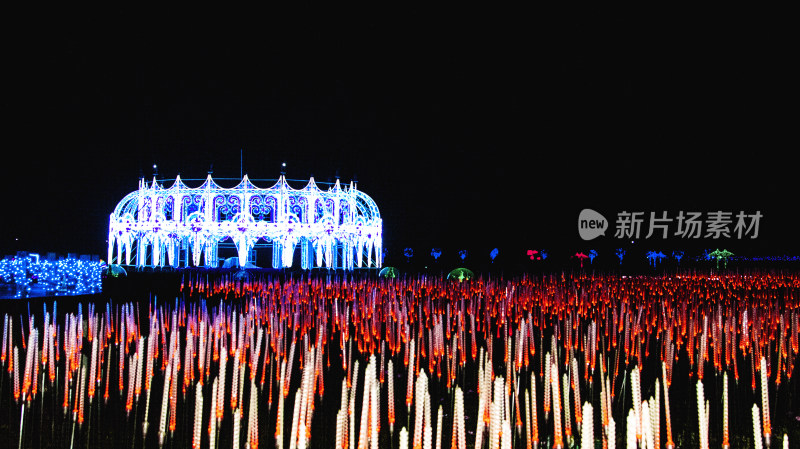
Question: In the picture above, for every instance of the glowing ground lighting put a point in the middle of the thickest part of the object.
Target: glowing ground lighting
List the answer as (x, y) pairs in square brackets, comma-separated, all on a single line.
[(27, 275), (620, 254), (720, 255), (539, 361), (581, 257), (655, 257), (335, 228)]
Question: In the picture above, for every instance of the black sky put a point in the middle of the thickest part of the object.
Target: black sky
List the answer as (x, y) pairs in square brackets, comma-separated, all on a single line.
[(468, 133)]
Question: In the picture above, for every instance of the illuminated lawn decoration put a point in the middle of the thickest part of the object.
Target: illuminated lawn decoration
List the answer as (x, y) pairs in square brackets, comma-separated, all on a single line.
[(461, 274), (116, 271), (207, 352), (720, 255), (32, 276), (335, 228), (582, 257), (655, 257), (620, 254), (389, 272)]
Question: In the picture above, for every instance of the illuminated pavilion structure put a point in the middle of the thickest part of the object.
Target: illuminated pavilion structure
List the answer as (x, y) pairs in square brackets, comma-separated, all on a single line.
[(185, 226)]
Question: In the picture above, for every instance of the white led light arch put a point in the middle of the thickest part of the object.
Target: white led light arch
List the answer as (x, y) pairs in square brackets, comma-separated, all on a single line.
[(334, 228)]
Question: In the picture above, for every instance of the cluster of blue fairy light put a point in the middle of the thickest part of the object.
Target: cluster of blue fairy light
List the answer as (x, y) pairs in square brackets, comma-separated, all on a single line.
[(27, 276)]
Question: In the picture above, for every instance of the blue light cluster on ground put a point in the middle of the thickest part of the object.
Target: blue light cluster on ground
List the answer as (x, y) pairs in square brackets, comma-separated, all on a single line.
[(28, 276)]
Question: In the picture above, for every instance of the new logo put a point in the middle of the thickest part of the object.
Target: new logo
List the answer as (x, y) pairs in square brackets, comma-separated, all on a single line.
[(591, 224)]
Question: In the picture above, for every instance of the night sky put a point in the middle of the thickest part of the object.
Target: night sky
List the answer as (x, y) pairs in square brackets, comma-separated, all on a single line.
[(468, 133)]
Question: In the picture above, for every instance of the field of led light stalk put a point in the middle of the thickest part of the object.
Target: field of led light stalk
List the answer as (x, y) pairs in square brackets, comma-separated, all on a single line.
[(359, 362)]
